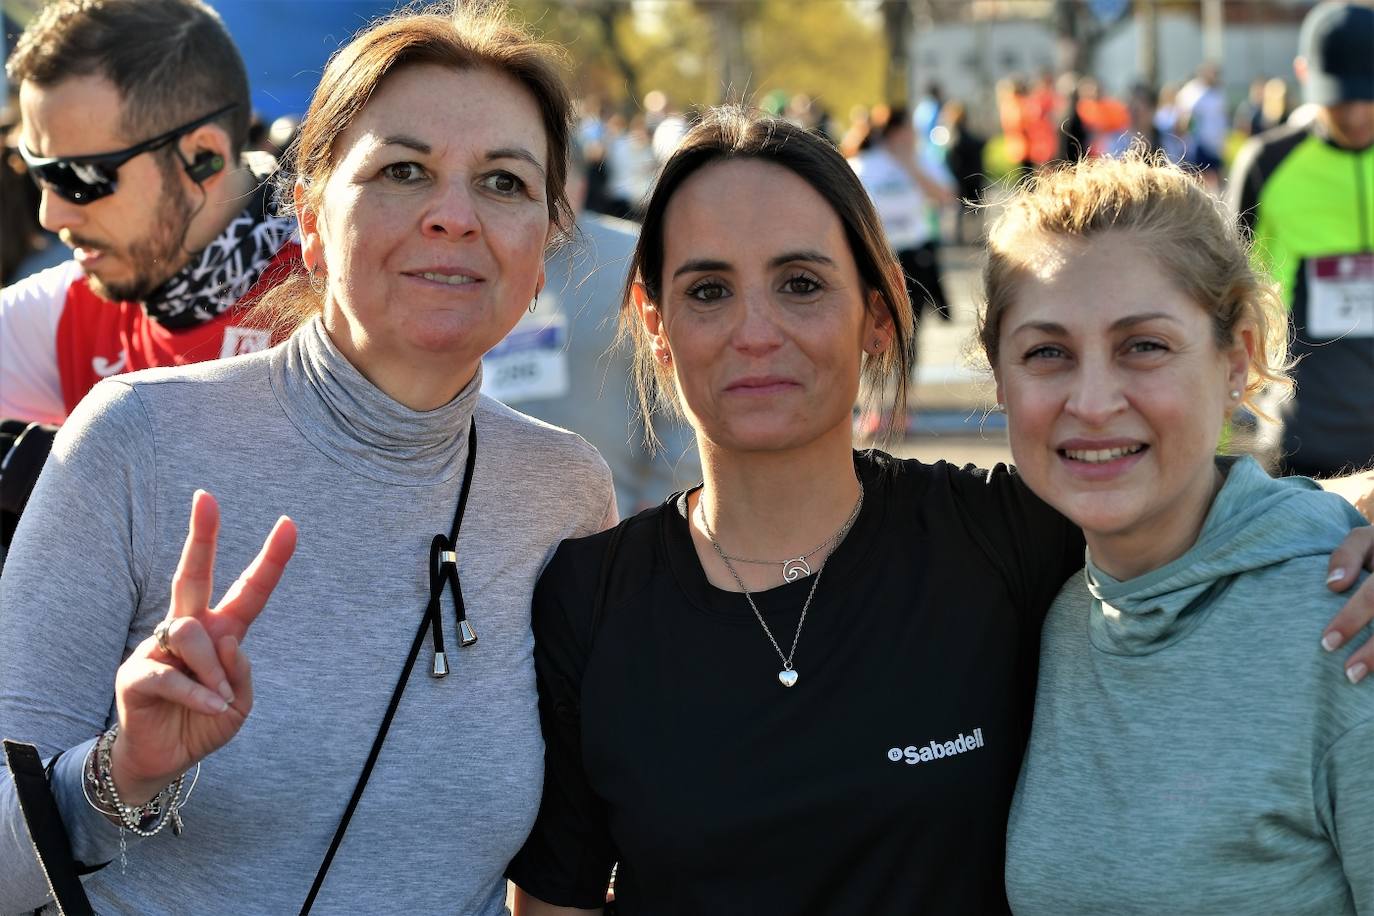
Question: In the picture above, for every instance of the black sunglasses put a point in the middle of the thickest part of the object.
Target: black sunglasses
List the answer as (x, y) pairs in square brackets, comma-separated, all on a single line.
[(82, 179)]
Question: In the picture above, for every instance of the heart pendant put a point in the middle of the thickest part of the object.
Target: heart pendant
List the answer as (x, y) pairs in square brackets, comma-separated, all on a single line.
[(788, 677)]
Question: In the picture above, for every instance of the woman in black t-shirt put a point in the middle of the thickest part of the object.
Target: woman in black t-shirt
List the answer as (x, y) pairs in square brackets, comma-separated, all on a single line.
[(805, 686)]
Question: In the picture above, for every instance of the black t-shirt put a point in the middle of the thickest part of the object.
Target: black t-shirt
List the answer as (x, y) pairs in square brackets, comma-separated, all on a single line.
[(880, 783)]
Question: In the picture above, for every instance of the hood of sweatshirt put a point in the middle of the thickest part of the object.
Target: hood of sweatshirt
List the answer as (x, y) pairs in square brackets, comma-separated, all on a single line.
[(1255, 521)]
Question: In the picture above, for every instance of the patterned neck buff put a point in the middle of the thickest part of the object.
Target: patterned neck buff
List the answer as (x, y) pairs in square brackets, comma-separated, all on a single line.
[(228, 267)]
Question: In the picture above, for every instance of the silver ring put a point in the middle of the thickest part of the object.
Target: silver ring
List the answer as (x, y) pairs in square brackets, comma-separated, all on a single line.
[(160, 632)]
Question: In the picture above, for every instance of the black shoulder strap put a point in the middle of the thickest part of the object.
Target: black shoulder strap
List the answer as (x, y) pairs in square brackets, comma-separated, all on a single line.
[(46, 830)]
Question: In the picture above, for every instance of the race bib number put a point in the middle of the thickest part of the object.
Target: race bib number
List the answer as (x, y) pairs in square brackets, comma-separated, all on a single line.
[(1340, 296), (530, 364), (900, 207)]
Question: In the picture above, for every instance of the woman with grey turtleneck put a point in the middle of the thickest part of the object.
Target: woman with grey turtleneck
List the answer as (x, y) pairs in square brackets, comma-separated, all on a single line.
[(429, 179)]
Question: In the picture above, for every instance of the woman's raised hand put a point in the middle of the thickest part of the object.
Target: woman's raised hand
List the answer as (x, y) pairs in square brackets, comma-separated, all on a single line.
[(187, 690)]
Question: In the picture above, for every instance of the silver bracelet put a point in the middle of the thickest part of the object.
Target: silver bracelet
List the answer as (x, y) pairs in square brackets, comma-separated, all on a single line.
[(146, 820)]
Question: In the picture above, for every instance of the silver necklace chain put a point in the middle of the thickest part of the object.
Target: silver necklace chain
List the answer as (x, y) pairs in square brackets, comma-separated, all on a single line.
[(794, 568), (787, 676)]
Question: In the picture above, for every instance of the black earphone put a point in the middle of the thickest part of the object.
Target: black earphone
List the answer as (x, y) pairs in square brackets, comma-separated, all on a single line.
[(206, 164)]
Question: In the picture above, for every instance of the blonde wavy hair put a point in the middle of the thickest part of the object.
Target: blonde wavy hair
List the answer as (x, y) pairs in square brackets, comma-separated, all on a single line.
[(1189, 233)]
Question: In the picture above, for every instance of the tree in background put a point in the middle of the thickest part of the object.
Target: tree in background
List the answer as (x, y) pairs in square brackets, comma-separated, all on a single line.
[(832, 50)]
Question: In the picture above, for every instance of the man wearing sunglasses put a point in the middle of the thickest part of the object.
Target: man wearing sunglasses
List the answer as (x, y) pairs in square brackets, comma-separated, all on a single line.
[(134, 115)]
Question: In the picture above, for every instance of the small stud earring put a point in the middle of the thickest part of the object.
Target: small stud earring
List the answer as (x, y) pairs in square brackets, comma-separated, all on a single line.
[(665, 357), (1235, 394), (535, 304)]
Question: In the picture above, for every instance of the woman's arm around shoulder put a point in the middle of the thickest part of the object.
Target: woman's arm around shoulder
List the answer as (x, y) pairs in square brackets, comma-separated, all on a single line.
[(1357, 489), (1035, 546)]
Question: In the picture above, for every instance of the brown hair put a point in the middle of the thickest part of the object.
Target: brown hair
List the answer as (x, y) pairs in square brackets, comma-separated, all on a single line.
[(1188, 232), (733, 133), (460, 36), (172, 61)]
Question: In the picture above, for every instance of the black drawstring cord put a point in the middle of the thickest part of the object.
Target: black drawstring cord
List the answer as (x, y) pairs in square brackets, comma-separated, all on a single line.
[(437, 548), (443, 566)]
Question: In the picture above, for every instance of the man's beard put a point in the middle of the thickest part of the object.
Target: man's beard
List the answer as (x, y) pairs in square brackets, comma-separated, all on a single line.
[(154, 258)]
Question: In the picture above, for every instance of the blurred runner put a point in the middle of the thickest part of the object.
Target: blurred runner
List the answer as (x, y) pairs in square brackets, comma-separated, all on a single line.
[(558, 364), (1041, 107), (1306, 193), (1142, 128), (134, 116), (963, 150), (904, 190), (1202, 110)]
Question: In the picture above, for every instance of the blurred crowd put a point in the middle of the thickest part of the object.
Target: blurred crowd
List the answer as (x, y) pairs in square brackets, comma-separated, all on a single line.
[(1035, 122), (935, 158)]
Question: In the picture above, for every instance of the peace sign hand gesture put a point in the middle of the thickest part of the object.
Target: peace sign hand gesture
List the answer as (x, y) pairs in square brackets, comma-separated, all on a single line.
[(186, 690)]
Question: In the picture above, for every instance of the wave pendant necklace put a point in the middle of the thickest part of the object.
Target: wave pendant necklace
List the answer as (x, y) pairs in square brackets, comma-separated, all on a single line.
[(794, 568), (788, 675)]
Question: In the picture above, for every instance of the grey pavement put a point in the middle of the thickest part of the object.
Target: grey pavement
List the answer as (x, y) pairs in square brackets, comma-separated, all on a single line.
[(951, 414)]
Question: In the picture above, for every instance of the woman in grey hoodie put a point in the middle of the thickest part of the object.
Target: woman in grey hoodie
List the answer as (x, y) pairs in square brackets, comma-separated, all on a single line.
[(1192, 749)]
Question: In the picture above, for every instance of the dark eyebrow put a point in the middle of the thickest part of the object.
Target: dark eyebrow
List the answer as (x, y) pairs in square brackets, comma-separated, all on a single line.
[(705, 264), (1050, 327), (420, 146), (1141, 319), (409, 142), (515, 152), (700, 264), (1045, 327), (813, 256)]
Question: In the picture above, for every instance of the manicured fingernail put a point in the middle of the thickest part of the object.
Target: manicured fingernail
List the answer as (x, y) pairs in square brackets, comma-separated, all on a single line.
[(1332, 641), (1356, 672), (228, 692), (215, 704), (1336, 576)]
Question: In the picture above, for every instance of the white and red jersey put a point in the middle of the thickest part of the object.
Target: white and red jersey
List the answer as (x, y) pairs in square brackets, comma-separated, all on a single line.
[(58, 338)]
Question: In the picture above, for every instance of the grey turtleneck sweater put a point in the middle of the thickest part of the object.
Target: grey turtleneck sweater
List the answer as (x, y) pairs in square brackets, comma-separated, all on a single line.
[(296, 431)]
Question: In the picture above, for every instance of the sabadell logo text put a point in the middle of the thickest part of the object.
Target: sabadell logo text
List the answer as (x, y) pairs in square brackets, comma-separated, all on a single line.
[(937, 749)]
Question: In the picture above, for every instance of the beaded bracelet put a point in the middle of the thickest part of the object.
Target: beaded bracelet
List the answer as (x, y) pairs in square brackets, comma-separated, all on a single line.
[(145, 820)]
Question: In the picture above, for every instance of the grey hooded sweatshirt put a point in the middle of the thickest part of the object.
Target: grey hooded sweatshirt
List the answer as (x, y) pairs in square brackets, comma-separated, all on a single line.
[(1194, 748)]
